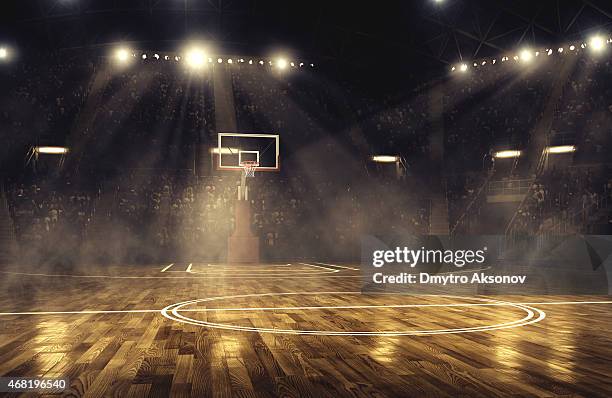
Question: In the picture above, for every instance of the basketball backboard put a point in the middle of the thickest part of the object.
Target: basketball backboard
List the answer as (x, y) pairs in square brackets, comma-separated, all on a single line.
[(235, 148)]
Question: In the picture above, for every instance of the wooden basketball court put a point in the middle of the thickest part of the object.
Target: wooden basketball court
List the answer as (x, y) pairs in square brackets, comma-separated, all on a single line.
[(301, 329)]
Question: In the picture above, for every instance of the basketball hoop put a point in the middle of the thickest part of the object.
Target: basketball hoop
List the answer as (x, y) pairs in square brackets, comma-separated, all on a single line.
[(249, 167)]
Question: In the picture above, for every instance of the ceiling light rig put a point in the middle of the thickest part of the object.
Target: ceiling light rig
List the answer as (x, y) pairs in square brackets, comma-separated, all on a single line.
[(596, 45)]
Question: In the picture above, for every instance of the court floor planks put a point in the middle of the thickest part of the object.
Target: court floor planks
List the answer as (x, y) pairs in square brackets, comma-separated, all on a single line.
[(294, 330)]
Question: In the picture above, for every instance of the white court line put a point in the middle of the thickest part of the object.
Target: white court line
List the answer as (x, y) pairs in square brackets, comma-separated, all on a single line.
[(189, 267), (389, 306), (166, 268), (176, 316), (85, 312), (339, 266), (330, 270), (307, 275)]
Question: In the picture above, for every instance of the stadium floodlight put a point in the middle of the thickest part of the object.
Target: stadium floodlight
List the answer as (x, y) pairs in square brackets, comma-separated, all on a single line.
[(572, 47), (261, 62), (549, 52), (281, 63), (507, 154), (526, 55), (196, 58), (561, 149), (144, 56), (596, 43), (156, 56), (230, 61), (463, 67), (250, 62), (560, 50), (3, 53), (385, 158), (51, 150), (220, 60), (122, 55)]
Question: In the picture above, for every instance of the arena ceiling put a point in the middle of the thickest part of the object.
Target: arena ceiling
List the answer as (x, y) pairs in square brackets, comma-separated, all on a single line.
[(419, 33)]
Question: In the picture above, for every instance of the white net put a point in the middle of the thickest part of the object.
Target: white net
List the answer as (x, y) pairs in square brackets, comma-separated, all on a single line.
[(249, 168)]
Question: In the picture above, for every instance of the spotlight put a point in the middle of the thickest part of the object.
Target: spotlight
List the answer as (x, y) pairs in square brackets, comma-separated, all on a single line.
[(560, 50), (51, 150), (144, 56), (537, 53), (250, 62), (195, 58), (583, 45), (507, 154), (483, 63), (475, 64), (261, 62), (385, 158), (122, 55), (230, 61), (301, 64), (166, 57), (220, 60), (526, 55), (3, 53), (463, 68), (156, 56), (453, 69), (494, 61), (312, 65), (281, 63), (210, 60), (549, 52), (293, 64), (561, 149), (572, 47), (176, 58), (596, 43), (516, 57)]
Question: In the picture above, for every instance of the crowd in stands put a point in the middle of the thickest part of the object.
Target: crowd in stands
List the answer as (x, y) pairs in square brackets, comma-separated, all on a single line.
[(572, 196), (40, 100), (168, 214), (493, 108), (47, 214), (153, 116)]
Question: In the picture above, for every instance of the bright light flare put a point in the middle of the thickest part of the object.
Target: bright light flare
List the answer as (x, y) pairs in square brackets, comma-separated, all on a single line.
[(51, 150), (507, 154), (526, 55), (385, 158), (195, 58), (463, 67), (561, 149), (597, 43), (3, 53), (122, 55), (281, 63)]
